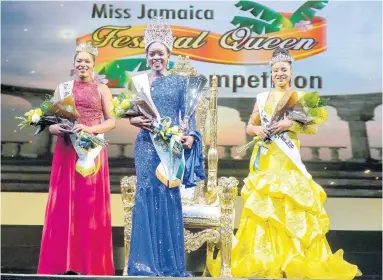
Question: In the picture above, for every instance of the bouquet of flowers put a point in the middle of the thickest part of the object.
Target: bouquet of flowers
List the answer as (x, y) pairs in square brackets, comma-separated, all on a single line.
[(61, 112), (309, 109), (132, 103), (122, 105), (136, 101)]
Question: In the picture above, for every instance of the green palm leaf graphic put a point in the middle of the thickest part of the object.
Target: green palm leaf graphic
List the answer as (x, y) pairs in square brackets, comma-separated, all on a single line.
[(117, 70), (255, 25), (266, 18), (307, 10)]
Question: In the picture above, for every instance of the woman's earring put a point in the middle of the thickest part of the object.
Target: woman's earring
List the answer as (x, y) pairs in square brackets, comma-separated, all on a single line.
[(147, 64), (168, 66)]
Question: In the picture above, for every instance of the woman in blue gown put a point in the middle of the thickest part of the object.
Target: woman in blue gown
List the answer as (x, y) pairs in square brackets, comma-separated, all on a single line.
[(157, 241)]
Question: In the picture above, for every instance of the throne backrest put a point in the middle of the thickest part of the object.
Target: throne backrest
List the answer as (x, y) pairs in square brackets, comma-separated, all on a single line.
[(203, 193)]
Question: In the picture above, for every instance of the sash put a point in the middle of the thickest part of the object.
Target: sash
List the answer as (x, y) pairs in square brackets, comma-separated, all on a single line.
[(282, 140), (141, 83), (85, 164), (171, 169)]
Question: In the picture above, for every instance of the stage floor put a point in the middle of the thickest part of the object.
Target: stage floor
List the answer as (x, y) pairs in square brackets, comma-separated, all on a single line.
[(5, 276)]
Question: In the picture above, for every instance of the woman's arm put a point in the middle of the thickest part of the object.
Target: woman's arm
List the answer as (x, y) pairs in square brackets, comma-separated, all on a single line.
[(109, 122), (253, 121), (253, 127), (58, 129)]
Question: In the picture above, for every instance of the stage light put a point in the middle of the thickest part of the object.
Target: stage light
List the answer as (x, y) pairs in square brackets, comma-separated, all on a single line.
[(67, 34), (332, 183), (367, 171)]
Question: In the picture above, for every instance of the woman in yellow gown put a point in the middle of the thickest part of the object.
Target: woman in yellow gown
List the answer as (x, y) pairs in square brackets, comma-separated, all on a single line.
[(282, 229)]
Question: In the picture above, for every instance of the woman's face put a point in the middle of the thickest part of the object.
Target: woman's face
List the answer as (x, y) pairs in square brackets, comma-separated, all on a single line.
[(158, 56), (83, 65), (281, 73)]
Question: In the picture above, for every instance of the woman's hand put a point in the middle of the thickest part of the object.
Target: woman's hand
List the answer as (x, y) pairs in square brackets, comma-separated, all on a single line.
[(281, 126), (187, 141), (83, 128), (59, 129), (261, 132), (141, 122)]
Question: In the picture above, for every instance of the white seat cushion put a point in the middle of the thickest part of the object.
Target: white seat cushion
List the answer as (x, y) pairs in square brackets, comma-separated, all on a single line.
[(201, 211)]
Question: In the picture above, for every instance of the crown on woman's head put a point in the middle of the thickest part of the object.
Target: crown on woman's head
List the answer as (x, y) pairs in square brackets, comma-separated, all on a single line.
[(158, 31), (87, 47), (281, 57)]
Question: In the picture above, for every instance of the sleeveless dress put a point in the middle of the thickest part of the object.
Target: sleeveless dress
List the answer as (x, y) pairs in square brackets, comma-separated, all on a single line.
[(283, 226), (77, 234)]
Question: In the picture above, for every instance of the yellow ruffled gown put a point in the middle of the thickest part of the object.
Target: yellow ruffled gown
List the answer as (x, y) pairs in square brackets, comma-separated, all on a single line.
[(282, 229)]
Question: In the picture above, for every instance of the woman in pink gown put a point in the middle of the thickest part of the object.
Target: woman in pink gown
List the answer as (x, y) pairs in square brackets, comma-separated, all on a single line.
[(77, 234)]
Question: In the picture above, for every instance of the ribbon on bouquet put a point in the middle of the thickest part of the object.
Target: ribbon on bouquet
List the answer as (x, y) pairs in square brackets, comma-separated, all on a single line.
[(165, 137), (169, 149), (85, 164)]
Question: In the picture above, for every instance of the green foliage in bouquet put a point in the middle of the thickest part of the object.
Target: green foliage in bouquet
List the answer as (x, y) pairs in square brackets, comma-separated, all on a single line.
[(314, 106), (34, 116), (122, 103)]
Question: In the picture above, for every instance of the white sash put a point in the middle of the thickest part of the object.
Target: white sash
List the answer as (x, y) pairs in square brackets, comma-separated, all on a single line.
[(85, 164), (141, 83), (282, 140)]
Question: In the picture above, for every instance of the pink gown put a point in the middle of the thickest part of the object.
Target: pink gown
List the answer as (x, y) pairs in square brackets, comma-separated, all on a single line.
[(77, 234)]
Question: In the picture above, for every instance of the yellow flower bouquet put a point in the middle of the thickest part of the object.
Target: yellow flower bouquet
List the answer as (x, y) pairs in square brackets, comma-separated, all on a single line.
[(63, 112), (122, 105), (49, 113)]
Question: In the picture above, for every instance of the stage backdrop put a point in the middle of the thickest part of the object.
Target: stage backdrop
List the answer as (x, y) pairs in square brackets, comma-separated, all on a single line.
[(336, 44)]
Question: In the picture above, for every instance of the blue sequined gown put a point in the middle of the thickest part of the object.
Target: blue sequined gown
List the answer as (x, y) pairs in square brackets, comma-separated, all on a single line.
[(157, 241)]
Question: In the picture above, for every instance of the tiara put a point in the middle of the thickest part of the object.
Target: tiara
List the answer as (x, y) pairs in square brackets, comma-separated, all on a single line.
[(158, 31), (281, 57), (87, 47)]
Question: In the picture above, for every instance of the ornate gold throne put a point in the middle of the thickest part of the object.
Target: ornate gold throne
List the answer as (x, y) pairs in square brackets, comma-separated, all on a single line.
[(208, 209)]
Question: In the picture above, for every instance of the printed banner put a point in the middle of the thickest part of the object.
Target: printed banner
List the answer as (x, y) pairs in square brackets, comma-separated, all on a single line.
[(238, 46)]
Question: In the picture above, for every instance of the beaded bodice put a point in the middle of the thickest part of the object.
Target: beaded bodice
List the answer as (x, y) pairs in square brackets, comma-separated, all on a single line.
[(88, 102)]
